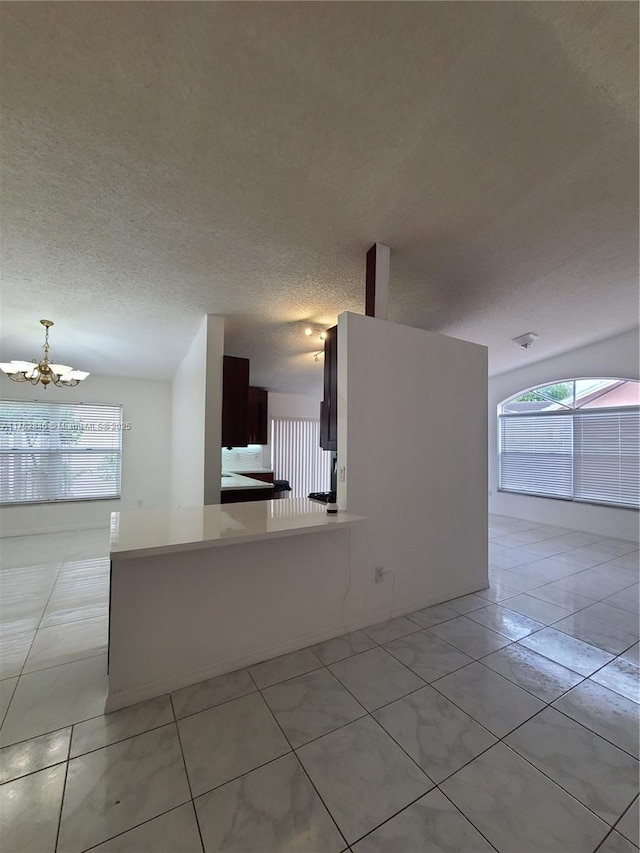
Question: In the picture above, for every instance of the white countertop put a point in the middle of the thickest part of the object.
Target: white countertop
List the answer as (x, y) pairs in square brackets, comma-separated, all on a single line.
[(238, 481), (146, 532)]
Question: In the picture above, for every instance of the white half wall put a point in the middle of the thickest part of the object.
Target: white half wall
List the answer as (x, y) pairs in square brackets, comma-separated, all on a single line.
[(196, 416), (412, 433), (614, 357), (146, 450)]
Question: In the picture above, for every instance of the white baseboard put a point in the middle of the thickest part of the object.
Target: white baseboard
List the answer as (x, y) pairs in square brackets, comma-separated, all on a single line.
[(151, 690)]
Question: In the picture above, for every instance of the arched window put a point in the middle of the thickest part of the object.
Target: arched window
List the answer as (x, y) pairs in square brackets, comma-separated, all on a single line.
[(578, 439)]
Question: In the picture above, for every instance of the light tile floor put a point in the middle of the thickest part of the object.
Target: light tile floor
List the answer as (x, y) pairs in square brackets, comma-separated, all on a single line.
[(504, 720)]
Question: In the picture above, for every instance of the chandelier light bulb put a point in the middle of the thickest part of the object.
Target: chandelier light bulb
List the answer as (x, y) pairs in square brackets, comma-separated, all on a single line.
[(308, 331)]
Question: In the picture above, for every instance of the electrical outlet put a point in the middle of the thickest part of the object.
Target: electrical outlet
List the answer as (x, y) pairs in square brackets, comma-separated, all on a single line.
[(341, 474), (379, 575)]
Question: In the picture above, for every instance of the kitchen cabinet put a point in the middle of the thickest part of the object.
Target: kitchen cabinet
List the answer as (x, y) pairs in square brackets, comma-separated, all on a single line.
[(258, 432), (236, 496), (235, 402), (329, 406)]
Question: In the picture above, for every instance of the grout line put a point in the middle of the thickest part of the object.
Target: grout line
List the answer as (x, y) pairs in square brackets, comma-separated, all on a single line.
[(186, 771), (297, 758), (64, 791)]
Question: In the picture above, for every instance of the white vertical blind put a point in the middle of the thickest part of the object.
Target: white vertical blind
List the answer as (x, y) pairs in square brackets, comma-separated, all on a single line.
[(59, 452), (607, 456), (296, 455), (536, 455)]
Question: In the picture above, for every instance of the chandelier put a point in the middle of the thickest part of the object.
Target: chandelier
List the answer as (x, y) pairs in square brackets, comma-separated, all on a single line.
[(43, 371)]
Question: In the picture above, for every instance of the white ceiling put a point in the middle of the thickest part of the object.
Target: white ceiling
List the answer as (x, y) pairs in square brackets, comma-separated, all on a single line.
[(165, 160)]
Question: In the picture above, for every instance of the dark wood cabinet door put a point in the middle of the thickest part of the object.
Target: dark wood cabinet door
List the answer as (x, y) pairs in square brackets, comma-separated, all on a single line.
[(329, 407), (235, 402), (258, 431)]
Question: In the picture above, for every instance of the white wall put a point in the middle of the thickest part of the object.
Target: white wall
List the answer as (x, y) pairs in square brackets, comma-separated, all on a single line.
[(412, 433), (293, 405), (614, 357), (145, 452), (196, 416)]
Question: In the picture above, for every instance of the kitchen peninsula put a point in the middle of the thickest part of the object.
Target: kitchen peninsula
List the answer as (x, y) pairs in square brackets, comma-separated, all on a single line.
[(200, 591)]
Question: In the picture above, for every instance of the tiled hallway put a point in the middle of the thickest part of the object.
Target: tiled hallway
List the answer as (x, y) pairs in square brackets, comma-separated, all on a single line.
[(505, 720)]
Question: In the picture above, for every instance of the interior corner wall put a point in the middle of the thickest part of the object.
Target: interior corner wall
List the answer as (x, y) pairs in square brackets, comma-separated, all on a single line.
[(196, 396), (613, 357), (213, 409), (412, 432), (146, 405)]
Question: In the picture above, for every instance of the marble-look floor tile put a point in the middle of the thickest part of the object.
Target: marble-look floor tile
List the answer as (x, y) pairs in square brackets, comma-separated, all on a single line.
[(120, 725), (598, 774), (311, 705), (229, 740), (552, 594), (35, 754), (583, 627), (271, 809), (614, 616), (77, 597), (466, 603), (520, 580), (428, 656), (67, 643), (433, 615), (632, 654), (214, 691), (113, 789), (384, 632), (498, 592), (432, 824), (375, 678), (54, 698), (629, 823), (626, 599), (507, 622), (34, 549), (438, 736), (13, 653), (622, 677), (497, 704), (594, 584), (7, 689), (535, 608), (471, 638), (518, 809), (342, 647), (30, 810), (287, 666), (538, 675), (176, 830), (616, 843), (606, 713), (362, 776), (567, 651)]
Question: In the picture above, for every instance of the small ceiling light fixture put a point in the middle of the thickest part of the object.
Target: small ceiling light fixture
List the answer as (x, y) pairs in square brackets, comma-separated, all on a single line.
[(43, 371), (309, 331), (525, 341)]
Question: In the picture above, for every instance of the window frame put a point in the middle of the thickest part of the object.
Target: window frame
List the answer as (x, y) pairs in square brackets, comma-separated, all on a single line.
[(572, 411), (38, 404)]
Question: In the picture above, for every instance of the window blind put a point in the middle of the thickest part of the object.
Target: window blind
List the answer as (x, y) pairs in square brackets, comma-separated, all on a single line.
[(296, 455), (607, 457), (59, 452), (536, 455)]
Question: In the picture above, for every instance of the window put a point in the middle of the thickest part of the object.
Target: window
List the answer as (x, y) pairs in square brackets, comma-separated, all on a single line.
[(59, 452), (296, 455), (577, 440)]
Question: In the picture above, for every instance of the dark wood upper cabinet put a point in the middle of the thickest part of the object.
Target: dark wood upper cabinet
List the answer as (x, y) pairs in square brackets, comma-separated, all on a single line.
[(258, 432), (235, 402), (329, 407)]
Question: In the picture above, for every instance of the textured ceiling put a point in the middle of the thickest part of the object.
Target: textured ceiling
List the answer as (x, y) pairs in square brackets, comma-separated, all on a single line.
[(165, 160)]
